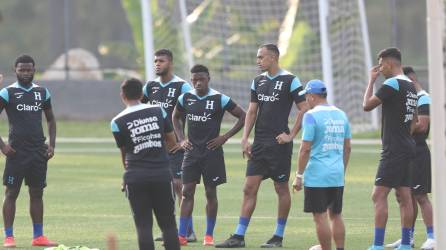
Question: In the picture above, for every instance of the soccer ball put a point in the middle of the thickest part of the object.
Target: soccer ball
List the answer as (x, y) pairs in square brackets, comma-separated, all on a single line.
[(317, 247)]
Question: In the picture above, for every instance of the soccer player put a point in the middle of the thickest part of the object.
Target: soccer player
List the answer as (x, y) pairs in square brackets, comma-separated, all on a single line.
[(26, 153), (142, 132), (204, 108), (164, 91), (323, 159), (272, 96), (398, 98), (421, 166)]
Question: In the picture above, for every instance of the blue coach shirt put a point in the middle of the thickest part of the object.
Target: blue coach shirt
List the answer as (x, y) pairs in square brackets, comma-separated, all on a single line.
[(326, 127)]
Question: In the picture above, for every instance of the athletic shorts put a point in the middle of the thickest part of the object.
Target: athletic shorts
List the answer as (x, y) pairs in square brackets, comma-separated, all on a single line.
[(421, 171), (319, 199), (175, 162), (29, 163), (394, 170), (271, 161), (207, 163)]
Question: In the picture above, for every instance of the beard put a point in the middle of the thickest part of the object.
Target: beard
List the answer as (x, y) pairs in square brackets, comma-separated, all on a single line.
[(25, 80), (162, 72)]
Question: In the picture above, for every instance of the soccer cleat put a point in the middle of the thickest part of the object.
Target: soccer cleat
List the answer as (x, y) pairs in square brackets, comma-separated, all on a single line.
[(404, 247), (376, 248), (9, 242), (159, 238), (234, 241), (394, 244), (43, 241), (429, 244), (316, 247), (182, 240), (275, 241), (208, 240), (397, 243), (191, 237)]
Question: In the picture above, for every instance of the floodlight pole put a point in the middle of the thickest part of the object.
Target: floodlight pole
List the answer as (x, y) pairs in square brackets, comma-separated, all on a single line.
[(147, 27), (435, 32)]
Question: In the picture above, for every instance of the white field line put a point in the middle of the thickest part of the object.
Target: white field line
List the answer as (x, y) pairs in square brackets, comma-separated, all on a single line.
[(104, 150), (229, 217), (84, 141), (88, 140)]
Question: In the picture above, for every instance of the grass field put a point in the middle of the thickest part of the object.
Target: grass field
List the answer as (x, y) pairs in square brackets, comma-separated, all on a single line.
[(83, 202)]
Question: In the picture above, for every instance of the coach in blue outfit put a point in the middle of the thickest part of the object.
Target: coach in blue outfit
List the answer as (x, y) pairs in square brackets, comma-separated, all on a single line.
[(323, 159)]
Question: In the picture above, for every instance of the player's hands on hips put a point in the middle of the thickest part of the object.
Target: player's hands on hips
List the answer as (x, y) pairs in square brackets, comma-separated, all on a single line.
[(216, 142), (186, 145), (50, 152), (297, 184), (283, 138), (374, 73), (246, 149), (8, 150), (176, 148)]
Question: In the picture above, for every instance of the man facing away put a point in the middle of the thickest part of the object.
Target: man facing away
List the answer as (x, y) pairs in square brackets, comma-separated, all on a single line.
[(323, 159), (143, 132)]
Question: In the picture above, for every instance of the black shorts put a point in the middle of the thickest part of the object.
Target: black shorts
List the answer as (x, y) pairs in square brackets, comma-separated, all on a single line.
[(175, 163), (319, 199), (207, 163), (394, 170), (271, 161), (421, 171), (29, 163)]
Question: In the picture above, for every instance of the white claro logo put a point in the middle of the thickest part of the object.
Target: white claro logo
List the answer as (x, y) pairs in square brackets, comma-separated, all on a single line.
[(31, 108)]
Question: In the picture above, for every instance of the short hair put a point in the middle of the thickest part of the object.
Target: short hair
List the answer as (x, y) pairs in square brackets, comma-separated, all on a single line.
[(323, 95), (408, 70), (199, 68), (271, 47), (165, 52), (392, 52), (132, 89), (24, 59)]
